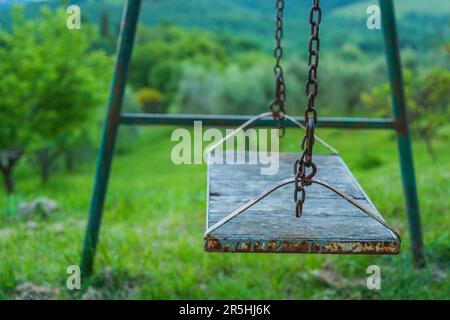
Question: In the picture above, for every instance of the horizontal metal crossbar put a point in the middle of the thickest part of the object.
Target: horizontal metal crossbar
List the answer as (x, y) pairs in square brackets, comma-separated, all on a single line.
[(236, 120)]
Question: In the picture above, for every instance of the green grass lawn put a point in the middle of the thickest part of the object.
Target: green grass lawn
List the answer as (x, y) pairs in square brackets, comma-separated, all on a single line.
[(151, 238)]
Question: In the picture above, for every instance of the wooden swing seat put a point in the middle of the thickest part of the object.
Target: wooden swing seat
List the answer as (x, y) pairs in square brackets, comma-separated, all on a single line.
[(329, 224)]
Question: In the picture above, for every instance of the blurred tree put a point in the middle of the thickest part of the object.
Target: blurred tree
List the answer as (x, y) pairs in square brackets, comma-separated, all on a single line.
[(432, 108), (198, 91), (145, 57), (344, 78), (128, 137), (248, 59), (74, 86), (165, 77), (353, 81), (428, 102), (66, 85), (18, 63), (247, 91), (235, 45), (162, 52), (350, 52), (106, 39), (235, 91), (296, 74), (104, 25)]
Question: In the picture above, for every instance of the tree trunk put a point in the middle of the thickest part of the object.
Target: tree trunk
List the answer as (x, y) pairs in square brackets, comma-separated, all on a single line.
[(69, 162), (46, 159), (8, 160), (352, 103), (430, 148), (8, 179), (45, 171)]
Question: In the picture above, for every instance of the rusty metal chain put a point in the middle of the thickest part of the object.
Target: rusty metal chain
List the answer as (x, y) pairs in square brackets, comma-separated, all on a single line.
[(277, 105), (302, 178)]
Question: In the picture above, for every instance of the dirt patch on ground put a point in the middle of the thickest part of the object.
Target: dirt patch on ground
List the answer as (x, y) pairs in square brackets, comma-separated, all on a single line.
[(30, 291)]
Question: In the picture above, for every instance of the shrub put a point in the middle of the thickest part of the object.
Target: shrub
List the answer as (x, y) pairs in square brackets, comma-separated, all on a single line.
[(150, 100)]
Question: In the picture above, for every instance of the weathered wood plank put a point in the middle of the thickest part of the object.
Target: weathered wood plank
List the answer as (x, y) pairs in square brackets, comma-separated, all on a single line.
[(329, 224), (313, 207), (246, 179)]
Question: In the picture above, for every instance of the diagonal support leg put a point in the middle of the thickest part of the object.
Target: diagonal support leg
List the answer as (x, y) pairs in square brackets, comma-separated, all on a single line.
[(124, 52), (402, 128)]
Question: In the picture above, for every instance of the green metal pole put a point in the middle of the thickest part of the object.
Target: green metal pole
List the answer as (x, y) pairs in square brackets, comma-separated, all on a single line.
[(402, 128), (237, 120), (124, 51)]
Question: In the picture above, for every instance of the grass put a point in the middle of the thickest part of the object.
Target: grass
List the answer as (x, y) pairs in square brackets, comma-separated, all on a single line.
[(151, 238)]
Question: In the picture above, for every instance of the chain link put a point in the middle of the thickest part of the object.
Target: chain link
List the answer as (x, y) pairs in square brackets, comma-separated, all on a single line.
[(302, 179), (277, 105)]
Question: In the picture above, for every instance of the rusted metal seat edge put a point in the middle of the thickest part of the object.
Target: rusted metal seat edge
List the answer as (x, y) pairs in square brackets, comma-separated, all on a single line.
[(317, 246)]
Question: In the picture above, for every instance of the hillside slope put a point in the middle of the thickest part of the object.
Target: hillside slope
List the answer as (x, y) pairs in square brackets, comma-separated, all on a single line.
[(422, 24)]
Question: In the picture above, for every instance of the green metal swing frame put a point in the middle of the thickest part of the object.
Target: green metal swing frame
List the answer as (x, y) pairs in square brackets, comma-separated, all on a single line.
[(114, 118)]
